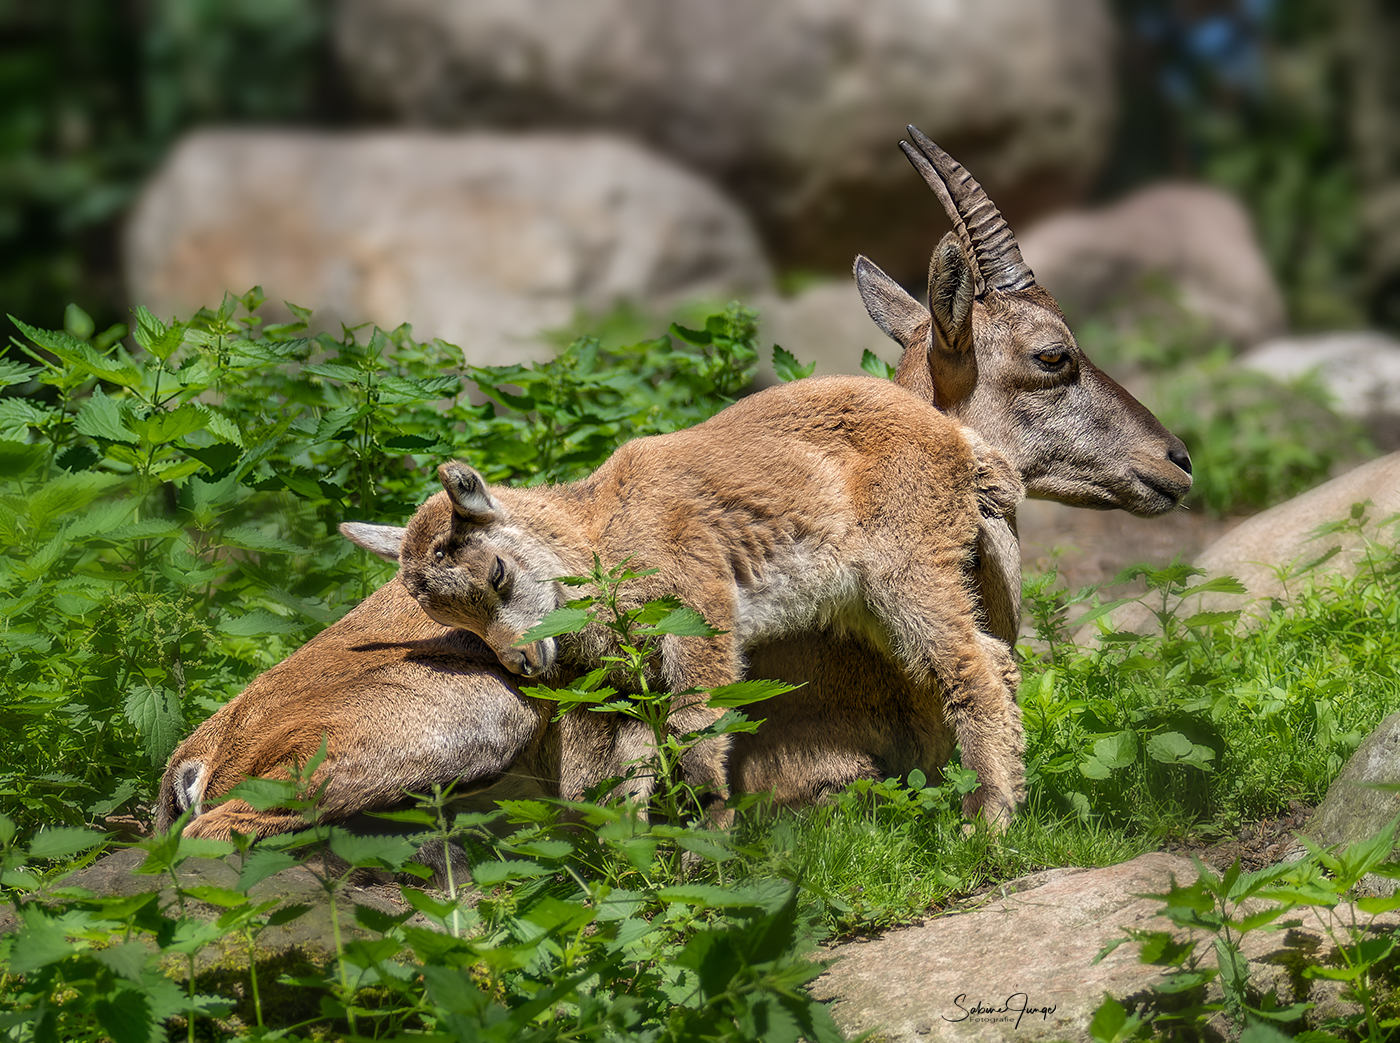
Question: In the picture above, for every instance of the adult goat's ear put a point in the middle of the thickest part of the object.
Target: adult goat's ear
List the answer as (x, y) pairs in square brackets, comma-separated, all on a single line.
[(902, 318), (382, 540), (470, 500), (950, 292)]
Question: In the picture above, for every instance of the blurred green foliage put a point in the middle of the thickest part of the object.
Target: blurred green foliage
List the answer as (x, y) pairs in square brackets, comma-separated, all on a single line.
[(1253, 96), (92, 92)]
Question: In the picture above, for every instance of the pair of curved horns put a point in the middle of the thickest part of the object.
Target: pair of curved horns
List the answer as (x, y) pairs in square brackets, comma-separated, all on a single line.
[(983, 232)]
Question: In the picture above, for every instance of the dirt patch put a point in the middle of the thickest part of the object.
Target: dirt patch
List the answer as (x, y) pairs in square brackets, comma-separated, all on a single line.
[(1091, 547), (1258, 845)]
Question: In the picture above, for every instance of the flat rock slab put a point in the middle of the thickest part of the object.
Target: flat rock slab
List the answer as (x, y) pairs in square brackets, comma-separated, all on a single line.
[(1020, 966), (115, 876), (1032, 949)]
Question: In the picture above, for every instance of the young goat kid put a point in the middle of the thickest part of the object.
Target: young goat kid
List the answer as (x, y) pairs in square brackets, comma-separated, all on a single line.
[(841, 502)]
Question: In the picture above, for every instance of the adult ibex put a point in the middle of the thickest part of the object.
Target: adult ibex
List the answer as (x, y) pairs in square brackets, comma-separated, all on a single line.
[(992, 350)]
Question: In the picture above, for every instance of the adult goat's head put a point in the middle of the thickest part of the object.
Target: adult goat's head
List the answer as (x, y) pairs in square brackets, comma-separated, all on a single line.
[(993, 350)]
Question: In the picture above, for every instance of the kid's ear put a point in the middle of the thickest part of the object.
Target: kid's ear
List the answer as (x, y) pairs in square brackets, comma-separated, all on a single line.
[(383, 540), (467, 490)]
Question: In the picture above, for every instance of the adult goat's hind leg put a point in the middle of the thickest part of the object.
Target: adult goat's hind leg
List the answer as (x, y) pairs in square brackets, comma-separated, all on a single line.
[(932, 622)]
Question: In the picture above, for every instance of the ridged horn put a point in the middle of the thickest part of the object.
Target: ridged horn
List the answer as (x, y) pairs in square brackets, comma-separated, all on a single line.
[(981, 229)]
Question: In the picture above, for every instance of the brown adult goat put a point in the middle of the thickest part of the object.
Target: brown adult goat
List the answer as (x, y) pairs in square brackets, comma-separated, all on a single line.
[(992, 350)]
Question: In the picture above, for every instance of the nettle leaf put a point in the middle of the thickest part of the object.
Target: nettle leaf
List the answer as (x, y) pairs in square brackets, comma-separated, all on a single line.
[(14, 372), (64, 841), (333, 371), (387, 852), (683, 622), (67, 494), (155, 713), (222, 427), (101, 519), (1205, 619), (561, 621), (1218, 585), (103, 417), (18, 415), (246, 537), (257, 623), (787, 367), (420, 390), (489, 874), (876, 366), (167, 426), (127, 960), (82, 357), (150, 529), (156, 337), (742, 693)]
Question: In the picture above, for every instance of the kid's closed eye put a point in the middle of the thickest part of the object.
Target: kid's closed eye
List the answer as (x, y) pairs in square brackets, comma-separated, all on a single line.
[(498, 574)]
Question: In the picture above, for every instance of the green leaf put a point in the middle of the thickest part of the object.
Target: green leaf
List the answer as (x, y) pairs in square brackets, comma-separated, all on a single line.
[(126, 1015), (220, 896), (262, 863), (155, 336), (257, 623), (742, 693), (63, 841), (39, 943), (127, 960), (1175, 748), (155, 713), (163, 426), (1218, 585), (787, 367), (13, 372), (1102, 610), (489, 874), (876, 366), (247, 537), (1206, 619), (18, 415), (380, 852), (103, 417), (561, 621), (80, 357), (683, 622)]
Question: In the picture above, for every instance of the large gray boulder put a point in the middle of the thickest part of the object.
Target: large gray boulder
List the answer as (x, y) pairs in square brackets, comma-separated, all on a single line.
[(1189, 242), (483, 239), (1265, 552), (794, 105), (1354, 810), (1361, 369)]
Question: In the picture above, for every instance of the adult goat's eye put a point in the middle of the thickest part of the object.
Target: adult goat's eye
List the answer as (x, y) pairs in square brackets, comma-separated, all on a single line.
[(438, 554), (498, 575), (1050, 357)]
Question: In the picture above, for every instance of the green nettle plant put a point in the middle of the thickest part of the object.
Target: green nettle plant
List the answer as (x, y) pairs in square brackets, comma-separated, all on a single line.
[(593, 930), (169, 512), (1226, 908)]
